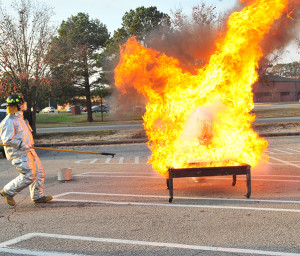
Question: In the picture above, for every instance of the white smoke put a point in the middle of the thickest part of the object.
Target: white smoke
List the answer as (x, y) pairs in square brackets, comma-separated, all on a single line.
[(199, 125)]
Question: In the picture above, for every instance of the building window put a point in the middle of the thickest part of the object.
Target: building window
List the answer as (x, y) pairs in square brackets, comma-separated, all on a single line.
[(263, 94), (284, 93)]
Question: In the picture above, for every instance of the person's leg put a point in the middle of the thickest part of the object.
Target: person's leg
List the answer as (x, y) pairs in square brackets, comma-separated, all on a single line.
[(37, 187), (24, 179)]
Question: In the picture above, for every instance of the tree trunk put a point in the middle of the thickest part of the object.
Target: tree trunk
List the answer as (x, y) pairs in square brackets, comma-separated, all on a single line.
[(87, 89), (33, 114), (101, 103), (88, 100), (34, 120)]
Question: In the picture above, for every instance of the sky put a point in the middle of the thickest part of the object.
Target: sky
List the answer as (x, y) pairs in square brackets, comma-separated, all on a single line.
[(110, 12)]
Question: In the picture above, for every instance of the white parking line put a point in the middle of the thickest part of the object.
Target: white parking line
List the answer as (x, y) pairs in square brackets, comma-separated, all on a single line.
[(108, 160), (182, 197), (80, 161), (270, 152), (87, 173), (136, 160), (125, 175), (284, 162), (277, 175), (153, 244), (283, 151), (180, 205), (267, 180), (121, 176), (151, 176), (298, 151), (10, 251), (4, 245), (128, 203)]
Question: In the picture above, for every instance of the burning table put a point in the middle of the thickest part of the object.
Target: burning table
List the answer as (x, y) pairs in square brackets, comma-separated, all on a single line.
[(205, 114), (209, 171)]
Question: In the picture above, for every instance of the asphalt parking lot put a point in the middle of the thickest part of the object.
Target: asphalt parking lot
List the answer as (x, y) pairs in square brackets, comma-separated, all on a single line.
[(119, 206)]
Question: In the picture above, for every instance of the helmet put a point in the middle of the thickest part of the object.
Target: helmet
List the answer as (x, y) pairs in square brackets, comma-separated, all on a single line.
[(15, 100)]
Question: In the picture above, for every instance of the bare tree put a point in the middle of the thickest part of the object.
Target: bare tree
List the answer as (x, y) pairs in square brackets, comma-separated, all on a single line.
[(25, 35)]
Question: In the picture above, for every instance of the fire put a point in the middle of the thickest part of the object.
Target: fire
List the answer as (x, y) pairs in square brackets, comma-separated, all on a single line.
[(203, 118)]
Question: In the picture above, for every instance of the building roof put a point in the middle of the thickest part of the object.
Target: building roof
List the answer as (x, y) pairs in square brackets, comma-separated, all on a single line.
[(280, 79)]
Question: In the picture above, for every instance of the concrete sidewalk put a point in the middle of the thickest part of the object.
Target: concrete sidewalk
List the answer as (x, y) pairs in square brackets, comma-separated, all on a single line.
[(139, 140)]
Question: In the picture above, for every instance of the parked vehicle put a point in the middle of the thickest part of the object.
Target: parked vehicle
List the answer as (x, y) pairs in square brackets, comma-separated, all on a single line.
[(48, 109), (3, 105), (101, 108), (37, 110), (69, 109), (2, 116)]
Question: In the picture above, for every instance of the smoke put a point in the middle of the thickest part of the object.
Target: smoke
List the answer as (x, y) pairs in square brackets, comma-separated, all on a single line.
[(193, 43), (192, 40), (191, 47), (199, 125), (283, 31), (132, 104)]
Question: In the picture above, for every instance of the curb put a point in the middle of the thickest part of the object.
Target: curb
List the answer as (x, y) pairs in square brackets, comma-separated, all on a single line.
[(281, 134), (69, 144), (143, 140)]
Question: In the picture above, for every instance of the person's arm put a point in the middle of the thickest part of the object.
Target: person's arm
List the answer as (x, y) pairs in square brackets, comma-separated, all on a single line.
[(7, 137)]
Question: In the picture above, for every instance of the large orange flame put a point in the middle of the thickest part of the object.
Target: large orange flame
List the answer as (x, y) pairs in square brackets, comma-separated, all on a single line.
[(203, 118)]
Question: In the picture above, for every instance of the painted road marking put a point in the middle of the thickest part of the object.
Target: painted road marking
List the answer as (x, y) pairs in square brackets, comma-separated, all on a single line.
[(86, 173), (101, 174), (179, 205), (125, 175), (284, 162), (131, 203), (144, 160), (118, 160), (122, 176), (298, 151), (117, 174), (153, 244), (94, 161), (36, 253), (283, 151), (182, 197)]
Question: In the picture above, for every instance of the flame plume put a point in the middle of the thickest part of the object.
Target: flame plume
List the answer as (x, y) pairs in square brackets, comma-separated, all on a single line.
[(204, 117)]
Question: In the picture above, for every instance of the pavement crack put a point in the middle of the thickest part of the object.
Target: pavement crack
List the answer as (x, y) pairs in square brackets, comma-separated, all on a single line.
[(20, 225)]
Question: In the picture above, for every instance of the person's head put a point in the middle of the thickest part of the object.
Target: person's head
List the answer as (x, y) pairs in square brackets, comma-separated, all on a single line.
[(14, 103)]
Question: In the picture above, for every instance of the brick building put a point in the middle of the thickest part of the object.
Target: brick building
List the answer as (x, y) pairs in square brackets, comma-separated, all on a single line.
[(276, 89)]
